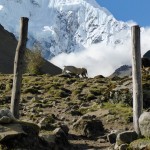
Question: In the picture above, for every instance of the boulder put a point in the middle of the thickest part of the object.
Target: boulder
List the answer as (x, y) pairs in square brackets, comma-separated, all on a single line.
[(46, 123), (20, 135), (6, 116), (123, 147), (144, 124), (65, 128), (140, 144), (89, 127), (58, 140), (126, 137), (145, 62), (9, 131), (16, 134), (112, 137)]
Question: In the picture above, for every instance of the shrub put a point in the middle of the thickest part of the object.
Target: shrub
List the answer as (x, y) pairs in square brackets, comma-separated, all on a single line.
[(95, 91), (32, 90), (76, 91), (90, 97), (33, 62)]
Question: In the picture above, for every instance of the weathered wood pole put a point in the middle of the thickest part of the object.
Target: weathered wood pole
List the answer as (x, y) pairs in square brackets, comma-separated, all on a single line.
[(136, 77), (18, 67)]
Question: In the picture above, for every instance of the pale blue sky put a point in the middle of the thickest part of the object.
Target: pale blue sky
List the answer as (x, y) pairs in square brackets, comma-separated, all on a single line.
[(125, 10)]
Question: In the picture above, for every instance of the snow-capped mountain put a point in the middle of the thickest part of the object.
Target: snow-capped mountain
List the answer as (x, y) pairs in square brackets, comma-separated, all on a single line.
[(58, 26)]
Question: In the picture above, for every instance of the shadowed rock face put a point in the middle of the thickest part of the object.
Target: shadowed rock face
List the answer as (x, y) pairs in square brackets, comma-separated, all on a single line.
[(8, 45), (122, 71), (145, 62), (147, 54), (126, 70)]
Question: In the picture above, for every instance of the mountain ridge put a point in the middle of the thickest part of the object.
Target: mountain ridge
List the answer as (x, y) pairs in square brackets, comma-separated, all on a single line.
[(8, 44), (63, 26)]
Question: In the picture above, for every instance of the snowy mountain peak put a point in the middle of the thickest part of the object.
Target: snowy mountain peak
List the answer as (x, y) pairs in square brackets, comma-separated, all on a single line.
[(58, 26)]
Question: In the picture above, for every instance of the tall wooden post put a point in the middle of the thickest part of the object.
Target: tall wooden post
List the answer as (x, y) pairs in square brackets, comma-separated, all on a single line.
[(137, 78), (18, 67)]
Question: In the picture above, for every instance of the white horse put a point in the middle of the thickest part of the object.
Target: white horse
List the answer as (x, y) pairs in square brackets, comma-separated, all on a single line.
[(75, 70)]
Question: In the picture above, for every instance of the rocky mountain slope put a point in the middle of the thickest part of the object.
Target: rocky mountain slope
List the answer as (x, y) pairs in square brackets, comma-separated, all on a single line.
[(126, 70), (122, 71), (8, 44), (76, 104), (58, 26)]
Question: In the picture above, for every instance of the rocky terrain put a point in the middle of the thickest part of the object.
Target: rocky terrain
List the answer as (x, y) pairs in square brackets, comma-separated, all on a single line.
[(79, 112)]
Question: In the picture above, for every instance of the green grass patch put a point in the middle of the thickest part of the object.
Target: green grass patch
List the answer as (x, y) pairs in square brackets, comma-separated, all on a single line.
[(93, 107), (120, 111), (76, 91), (95, 91), (90, 97)]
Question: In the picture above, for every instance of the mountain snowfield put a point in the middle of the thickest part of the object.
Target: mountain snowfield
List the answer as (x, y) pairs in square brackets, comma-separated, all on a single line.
[(82, 32)]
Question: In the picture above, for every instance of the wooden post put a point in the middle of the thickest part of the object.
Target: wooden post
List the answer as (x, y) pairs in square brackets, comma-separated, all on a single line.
[(18, 67), (136, 77)]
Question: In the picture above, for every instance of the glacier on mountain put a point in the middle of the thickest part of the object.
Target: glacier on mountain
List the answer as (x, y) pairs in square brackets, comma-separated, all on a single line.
[(57, 26)]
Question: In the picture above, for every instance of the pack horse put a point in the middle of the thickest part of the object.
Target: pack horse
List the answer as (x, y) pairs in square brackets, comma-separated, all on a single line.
[(75, 70)]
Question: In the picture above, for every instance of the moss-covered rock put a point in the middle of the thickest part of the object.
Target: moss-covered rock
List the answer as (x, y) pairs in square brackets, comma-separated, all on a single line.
[(140, 144)]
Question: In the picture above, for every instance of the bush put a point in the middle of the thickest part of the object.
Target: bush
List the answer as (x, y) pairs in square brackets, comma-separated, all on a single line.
[(90, 97), (95, 91), (34, 61)]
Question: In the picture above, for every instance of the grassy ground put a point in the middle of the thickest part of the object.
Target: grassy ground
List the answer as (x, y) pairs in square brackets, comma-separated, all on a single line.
[(63, 97)]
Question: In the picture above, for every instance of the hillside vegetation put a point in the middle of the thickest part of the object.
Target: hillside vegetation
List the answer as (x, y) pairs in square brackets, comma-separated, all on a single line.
[(63, 99)]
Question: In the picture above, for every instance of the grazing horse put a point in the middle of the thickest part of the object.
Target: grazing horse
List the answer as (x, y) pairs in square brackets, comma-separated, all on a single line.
[(75, 70), (84, 72)]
